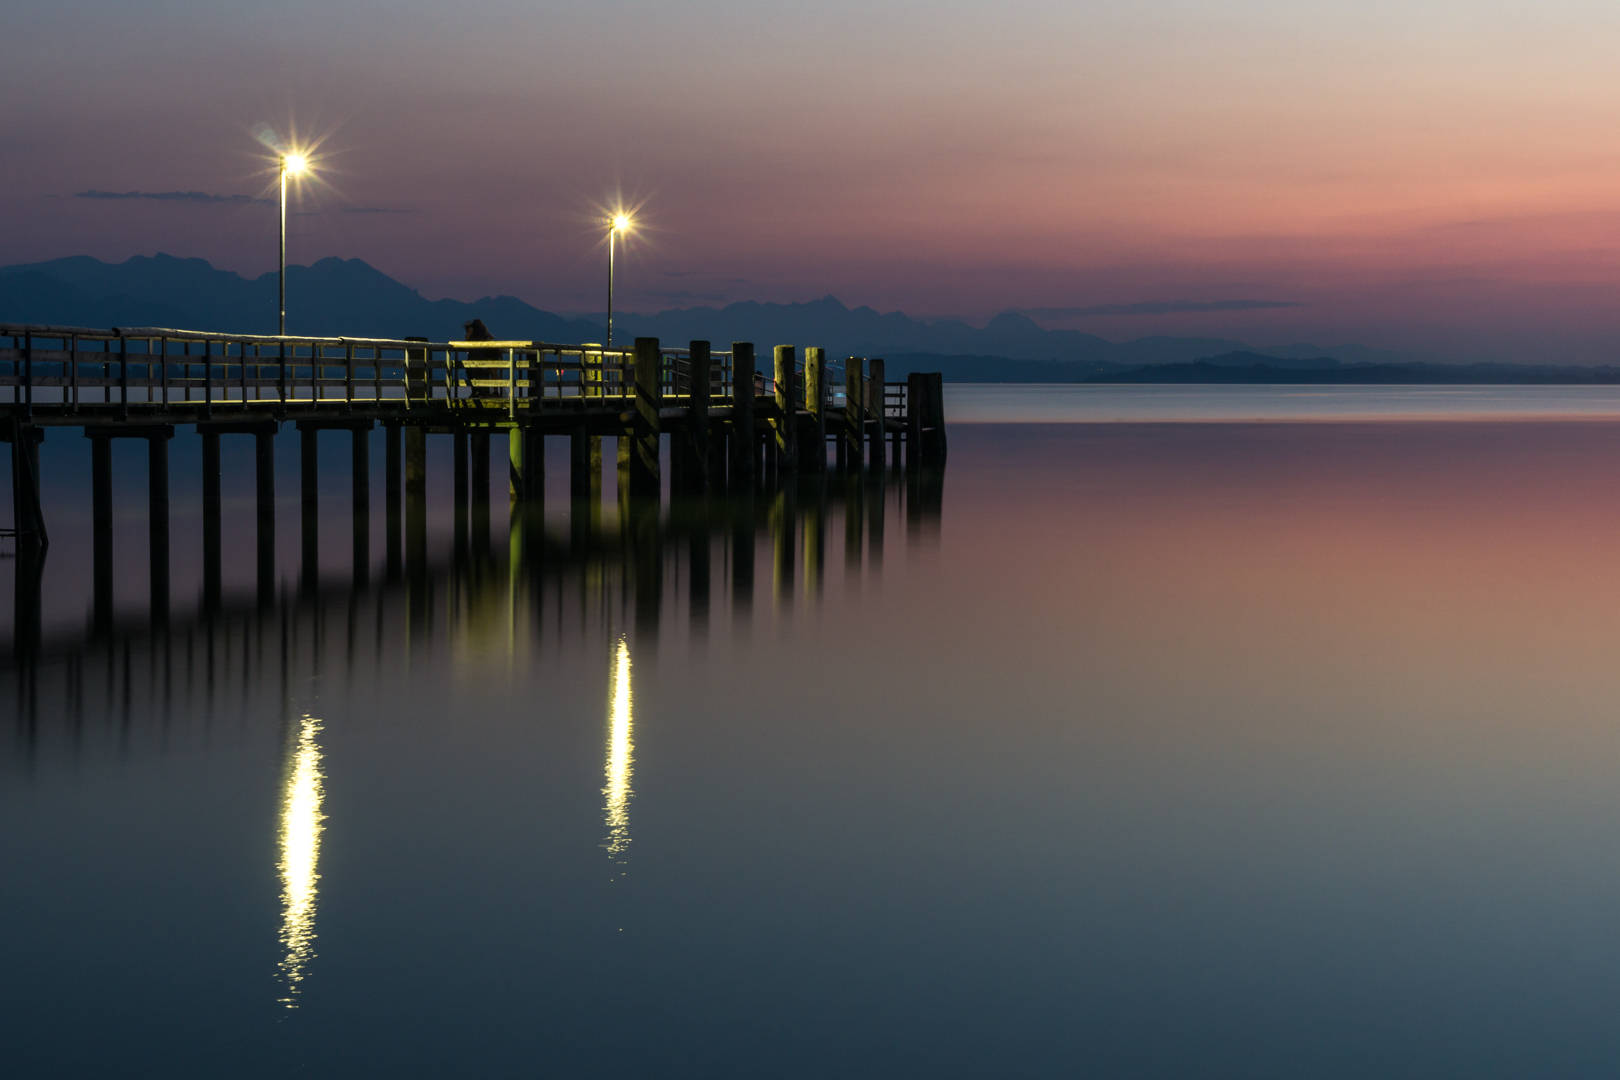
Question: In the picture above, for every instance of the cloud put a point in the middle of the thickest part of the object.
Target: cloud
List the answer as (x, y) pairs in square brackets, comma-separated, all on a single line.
[(172, 196), (1155, 307)]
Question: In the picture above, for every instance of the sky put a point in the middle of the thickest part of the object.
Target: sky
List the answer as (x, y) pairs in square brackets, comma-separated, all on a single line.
[(1431, 177)]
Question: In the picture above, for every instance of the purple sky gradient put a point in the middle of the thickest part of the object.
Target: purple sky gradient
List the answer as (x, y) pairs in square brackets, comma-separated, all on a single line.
[(1436, 180)]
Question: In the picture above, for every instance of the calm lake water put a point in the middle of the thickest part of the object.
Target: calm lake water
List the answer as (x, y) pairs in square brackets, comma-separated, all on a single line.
[(1162, 749)]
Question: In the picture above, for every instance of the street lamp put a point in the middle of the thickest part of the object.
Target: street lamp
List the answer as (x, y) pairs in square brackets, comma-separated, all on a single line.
[(619, 223), (295, 164)]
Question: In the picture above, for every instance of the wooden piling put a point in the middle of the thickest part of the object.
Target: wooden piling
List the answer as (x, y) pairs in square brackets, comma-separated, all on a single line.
[(854, 415), (694, 470), (264, 462), (787, 410), (157, 480), (916, 413), (744, 444), (211, 520), (458, 543), (101, 529), (391, 502), (310, 508), (645, 478), (361, 488), (874, 427), (479, 439), (415, 507), (813, 429)]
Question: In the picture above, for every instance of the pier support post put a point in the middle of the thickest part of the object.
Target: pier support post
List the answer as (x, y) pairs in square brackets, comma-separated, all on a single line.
[(264, 461), (28, 609), (211, 523), (101, 531), (584, 465), (852, 450), (813, 432), (787, 410), (646, 480), (458, 542), (361, 486), (310, 506), (742, 555), (479, 440), (526, 462), (157, 491), (416, 508), (785, 535), (875, 408), (391, 502), (744, 445), (916, 416), (695, 456)]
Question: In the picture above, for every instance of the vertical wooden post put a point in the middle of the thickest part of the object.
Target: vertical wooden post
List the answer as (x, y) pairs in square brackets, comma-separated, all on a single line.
[(743, 443), (854, 415), (391, 501), (458, 544), (361, 486), (695, 463), (916, 414), (309, 507), (742, 553), (211, 522), (876, 429), (415, 506), (787, 409), (264, 462), (157, 479), (813, 434), (480, 496), (101, 519), (645, 478), (936, 417)]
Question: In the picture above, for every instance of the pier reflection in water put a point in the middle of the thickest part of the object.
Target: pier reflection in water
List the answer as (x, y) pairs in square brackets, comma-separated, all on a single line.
[(606, 581)]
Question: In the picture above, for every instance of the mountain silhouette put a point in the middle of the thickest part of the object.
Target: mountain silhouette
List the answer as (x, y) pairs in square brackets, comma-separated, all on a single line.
[(347, 297)]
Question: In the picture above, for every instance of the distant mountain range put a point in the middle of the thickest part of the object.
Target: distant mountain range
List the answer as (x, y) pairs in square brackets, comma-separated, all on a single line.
[(338, 297)]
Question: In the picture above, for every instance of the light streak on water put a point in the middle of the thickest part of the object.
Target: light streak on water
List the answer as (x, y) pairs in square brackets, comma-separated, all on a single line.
[(301, 819), (620, 757)]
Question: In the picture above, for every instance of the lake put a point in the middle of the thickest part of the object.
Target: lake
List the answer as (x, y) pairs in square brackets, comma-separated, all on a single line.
[(1184, 733)]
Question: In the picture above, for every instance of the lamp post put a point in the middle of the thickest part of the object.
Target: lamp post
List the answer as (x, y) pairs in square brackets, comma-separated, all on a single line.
[(294, 164), (618, 224)]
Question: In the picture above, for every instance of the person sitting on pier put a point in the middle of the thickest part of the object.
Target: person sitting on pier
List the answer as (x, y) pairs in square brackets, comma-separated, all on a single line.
[(475, 330)]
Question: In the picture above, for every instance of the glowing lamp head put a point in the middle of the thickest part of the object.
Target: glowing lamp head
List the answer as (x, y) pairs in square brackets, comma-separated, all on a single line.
[(621, 222), (295, 163)]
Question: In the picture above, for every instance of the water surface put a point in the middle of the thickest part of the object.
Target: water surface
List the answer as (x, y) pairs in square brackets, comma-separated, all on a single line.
[(1172, 749)]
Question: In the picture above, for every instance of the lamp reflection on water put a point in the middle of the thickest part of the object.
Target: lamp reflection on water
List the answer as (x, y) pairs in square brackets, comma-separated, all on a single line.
[(301, 819), (620, 757)]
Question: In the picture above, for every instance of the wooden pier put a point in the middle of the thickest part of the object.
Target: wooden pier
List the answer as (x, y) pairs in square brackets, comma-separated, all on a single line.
[(692, 421)]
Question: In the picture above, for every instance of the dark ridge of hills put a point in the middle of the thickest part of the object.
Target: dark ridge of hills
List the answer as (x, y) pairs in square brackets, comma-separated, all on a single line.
[(339, 297), (1245, 368)]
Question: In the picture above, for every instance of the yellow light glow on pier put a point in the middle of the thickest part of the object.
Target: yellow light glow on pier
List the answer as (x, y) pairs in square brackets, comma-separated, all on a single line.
[(621, 755), (301, 819)]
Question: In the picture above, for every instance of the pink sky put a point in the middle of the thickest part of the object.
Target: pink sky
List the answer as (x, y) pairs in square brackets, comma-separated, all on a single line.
[(1438, 180)]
